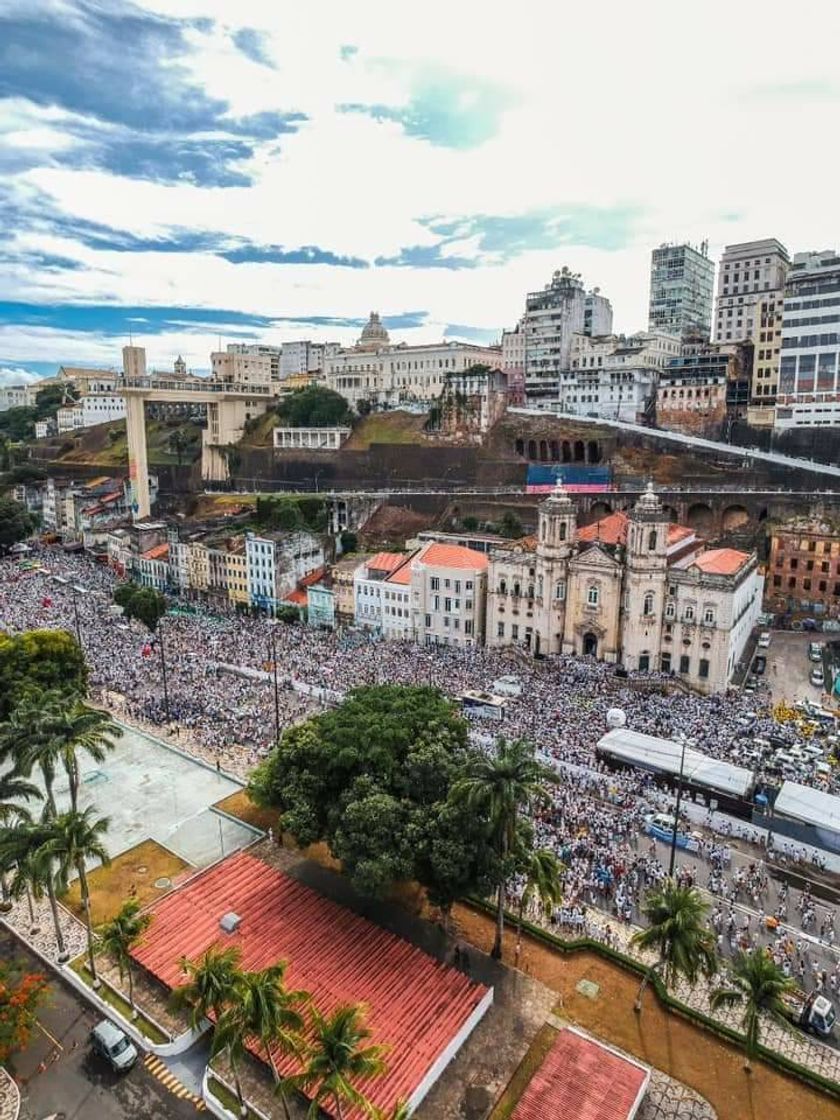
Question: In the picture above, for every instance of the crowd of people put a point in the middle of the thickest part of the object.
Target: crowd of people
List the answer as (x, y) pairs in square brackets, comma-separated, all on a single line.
[(219, 683)]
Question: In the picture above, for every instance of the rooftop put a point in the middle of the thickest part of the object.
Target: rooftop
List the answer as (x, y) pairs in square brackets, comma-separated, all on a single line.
[(451, 556), (580, 1079), (386, 561), (721, 561), (159, 552), (415, 1005)]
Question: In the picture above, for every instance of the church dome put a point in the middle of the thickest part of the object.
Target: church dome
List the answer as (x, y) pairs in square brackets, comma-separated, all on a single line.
[(373, 336)]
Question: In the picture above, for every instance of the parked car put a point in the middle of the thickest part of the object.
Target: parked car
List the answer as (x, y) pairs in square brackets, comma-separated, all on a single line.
[(815, 651), (817, 677), (114, 1046), (764, 639), (759, 665)]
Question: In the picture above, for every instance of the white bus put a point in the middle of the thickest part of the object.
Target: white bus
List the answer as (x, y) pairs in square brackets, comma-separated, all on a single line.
[(482, 705)]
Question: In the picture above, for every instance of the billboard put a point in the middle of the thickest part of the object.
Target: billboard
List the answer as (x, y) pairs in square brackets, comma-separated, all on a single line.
[(542, 478)]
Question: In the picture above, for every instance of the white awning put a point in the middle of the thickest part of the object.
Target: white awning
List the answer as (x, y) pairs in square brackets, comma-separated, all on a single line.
[(663, 755), (811, 806)]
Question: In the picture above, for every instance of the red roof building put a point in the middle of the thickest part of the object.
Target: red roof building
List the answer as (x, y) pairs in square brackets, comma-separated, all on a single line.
[(581, 1079), (422, 1010)]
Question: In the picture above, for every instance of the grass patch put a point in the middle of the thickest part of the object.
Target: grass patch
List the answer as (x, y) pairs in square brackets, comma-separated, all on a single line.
[(534, 1058), (139, 868), (109, 996), (241, 806), (386, 427), (227, 1099)]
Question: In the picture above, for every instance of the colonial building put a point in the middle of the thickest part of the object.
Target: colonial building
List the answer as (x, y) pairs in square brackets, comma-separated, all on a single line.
[(631, 589), (448, 595), (369, 587), (804, 570)]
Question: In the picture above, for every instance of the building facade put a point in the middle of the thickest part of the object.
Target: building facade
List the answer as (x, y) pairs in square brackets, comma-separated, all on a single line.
[(615, 377), (553, 316), (448, 595), (630, 589), (681, 285), (369, 587), (691, 394), (803, 574), (809, 389), (310, 439), (246, 364), (513, 363)]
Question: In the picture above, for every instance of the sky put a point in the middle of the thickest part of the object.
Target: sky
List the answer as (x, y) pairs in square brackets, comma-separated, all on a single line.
[(185, 172)]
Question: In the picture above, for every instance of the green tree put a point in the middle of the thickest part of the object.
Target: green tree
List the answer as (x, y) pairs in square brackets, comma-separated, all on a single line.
[(122, 934), (21, 993), (24, 472), (287, 614), (25, 844), (16, 523), (510, 526), (314, 407), (143, 603), (264, 1009), (469, 523), (503, 787), (18, 423), (757, 983), (372, 779), (339, 1057), (677, 931), (179, 442), (541, 870), (13, 790), (349, 541), (39, 660), (73, 839), (211, 982)]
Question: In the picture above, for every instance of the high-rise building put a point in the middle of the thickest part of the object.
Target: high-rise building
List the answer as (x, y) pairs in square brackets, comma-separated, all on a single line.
[(808, 375), (303, 356), (552, 317), (681, 285), (246, 363)]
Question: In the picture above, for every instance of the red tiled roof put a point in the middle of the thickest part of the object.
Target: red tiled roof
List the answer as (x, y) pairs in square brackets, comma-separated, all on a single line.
[(678, 533), (582, 1080), (297, 598), (386, 561), (414, 1005), (721, 561), (611, 529), (452, 556), (312, 577), (401, 575), (157, 553)]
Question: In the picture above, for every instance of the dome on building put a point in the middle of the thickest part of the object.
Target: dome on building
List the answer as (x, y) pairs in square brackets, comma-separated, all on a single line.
[(616, 717), (373, 336)]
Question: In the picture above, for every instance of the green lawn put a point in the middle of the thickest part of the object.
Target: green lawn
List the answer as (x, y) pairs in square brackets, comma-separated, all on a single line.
[(109, 996)]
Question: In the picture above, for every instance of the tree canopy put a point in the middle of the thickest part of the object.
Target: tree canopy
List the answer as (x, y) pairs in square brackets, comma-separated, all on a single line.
[(314, 407), (37, 660), (15, 523), (292, 512), (372, 779), (144, 603)]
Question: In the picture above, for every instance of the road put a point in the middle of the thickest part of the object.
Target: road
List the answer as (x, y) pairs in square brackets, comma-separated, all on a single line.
[(788, 667), (59, 1076)]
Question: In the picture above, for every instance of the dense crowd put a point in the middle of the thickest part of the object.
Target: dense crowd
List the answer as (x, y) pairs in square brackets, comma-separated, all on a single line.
[(219, 700)]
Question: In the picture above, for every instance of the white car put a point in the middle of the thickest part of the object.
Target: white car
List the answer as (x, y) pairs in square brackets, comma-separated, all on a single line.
[(764, 639), (817, 678)]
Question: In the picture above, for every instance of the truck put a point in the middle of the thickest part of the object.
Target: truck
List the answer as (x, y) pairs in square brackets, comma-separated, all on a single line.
[(811, 1012)]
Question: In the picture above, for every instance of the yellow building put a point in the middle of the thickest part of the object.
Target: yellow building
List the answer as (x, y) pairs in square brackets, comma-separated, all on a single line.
[(198, 567), (237, 571)]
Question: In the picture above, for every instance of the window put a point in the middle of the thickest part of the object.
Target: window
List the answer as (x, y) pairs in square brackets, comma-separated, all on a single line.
[(648, 604), (704, 668), (468, 626), (684, 663), (502, 587), (468, 585), (689, 613), (447, 605), (644, 662), (670, 609), (709, 616), (652, 541), (457, 586), (428, 621), (562, 531), (514, 631), (665, 662), (592, 595), (500, 629), (560, 590), (434, 583)]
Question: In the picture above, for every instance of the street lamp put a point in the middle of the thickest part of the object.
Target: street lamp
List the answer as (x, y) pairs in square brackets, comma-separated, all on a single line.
[(272, 649), (75, 590), (682, 739), (163, 670)]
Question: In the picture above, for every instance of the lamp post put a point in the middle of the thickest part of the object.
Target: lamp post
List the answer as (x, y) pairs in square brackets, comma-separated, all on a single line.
[(677, 809), (272, 649), (163, 670), (75, 590)]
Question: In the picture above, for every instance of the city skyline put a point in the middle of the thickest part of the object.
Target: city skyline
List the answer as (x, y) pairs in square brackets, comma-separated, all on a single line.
[(201, 176)]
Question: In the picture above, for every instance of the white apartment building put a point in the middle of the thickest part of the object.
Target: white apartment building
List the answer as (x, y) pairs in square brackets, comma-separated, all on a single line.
[(389, 375), (58, 511), (276, 563), (448, 595), (101, 408), (615, 377), (552, 317), (397, 621), (513, 362), (304, 356), (68, 418), (809, 373), (310, 439), (87, 380), (746, 273), (13, 396), (246, 364), (372, 592)]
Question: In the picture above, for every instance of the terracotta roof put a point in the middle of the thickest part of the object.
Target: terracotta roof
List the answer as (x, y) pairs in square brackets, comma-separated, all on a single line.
[(401, 575), (415, 1005), (297, 598), (451, 556), (314, 576), (678, 533), (387, 561), (721, 561), (582, 1080), (159, 552), (611, 529)]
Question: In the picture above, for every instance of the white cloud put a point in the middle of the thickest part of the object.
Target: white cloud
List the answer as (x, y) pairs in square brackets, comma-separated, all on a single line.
[(12, 375)]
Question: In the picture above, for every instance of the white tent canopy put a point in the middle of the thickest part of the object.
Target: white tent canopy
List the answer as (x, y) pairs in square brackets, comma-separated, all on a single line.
[(811, 806), (663, 755)]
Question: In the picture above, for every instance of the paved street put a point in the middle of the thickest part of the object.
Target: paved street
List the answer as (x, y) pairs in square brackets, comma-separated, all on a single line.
[(788, 666), (76, 1084)]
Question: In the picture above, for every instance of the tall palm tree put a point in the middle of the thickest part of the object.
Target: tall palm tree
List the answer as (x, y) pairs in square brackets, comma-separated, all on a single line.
[(210, 985), (13, 790), (72, 839), (119, 936), (760, 985), (542, 870), (28, 881), (502, 786), (338, 1058), (25, 845), (677, 930)]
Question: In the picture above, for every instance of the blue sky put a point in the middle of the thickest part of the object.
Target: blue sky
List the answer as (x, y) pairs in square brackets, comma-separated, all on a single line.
[(184, 172)]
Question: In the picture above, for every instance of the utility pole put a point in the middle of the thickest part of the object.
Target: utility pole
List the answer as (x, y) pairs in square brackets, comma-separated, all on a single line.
[(163, 670), (677, 810), (272, 649)]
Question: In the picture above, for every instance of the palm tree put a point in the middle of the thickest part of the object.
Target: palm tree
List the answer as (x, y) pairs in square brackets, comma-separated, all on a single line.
[(24, 846), (677, 930), (501, 786), (13, 789), (28, 880), (210, 985), (73, 839), (119, 936), (760, 985), (542, 870), (338, 1057)]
